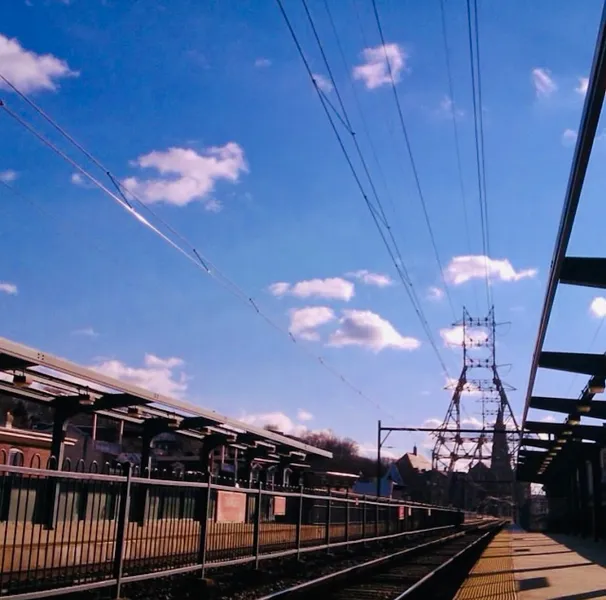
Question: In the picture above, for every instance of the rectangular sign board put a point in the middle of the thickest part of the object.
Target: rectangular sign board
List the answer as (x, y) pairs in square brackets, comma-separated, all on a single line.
[(231, 507), (279, 506)]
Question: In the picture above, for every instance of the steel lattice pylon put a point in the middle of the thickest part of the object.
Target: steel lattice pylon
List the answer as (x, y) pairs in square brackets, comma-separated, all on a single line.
[(498, 431)]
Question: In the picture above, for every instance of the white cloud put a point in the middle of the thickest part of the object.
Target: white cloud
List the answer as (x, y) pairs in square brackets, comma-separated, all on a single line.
[(29, 71), (262, 62), (365, 276), (333, 287), (435, 293), (582, 87), (323, 83), (79, 180), (8, 176), (279, 288), (454, 336), (370, 451), (544, 85), (598, 307), (304, 321), (464, 268), (569, 137), (468, 388), (374, 71), (304, 415), (365, 328), (8, 288), (187, 175), (158, 375), (448, 109), (153, 361), (86, 331), (279, 420)]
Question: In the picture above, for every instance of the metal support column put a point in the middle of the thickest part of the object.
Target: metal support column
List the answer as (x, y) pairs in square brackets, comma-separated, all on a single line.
[(596, 472), (583, 498), (60, 423)]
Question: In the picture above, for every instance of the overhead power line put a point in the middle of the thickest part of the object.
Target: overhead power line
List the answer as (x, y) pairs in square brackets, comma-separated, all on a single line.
[(394, 253), (189, 252), (476, 88), (453, 108), (412, 159)]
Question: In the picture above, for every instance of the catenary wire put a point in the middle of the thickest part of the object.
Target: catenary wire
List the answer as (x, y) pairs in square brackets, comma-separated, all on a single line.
[(401, 270), (477, 139), (240, 294), (455, 128), (412, 159)]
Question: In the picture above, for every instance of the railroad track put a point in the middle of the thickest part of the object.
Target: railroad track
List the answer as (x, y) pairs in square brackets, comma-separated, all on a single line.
[(424, 569)]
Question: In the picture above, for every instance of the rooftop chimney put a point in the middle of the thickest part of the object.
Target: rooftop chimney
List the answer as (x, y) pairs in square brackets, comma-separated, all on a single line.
[(414, 450)]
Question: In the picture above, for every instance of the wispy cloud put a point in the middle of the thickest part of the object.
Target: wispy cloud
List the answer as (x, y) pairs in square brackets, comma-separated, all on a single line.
[(8, 176), (464, 268), (86, 331), (261, 63), (569, 137), (304, 415), (305, 321), (374, 71), (582, 87), (334, 288), (323, 83), (435, 293), (369, 278), (186, 175), (278, 420), (366, 328), (8, 288), (29, 71), (157, 374), (453, 336), (544, 85), (598, 307), (81, 181), (448, 109)]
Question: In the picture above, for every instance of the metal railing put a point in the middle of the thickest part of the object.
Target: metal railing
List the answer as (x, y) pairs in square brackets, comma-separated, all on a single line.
[(81, 530)]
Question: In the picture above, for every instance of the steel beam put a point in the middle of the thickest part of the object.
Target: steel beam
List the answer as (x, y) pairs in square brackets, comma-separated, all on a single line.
[(536, 443), (587, 132), (574, 362), (559, 405), (588, 272)]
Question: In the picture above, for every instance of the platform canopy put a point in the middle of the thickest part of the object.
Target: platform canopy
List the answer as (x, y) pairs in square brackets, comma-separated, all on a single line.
[(38, 376), (556, 441)]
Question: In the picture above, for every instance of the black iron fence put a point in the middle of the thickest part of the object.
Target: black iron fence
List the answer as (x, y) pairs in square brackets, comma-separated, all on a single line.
[(104, 527)]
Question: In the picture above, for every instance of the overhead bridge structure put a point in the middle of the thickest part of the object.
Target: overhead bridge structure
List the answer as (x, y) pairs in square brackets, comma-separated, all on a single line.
[(567, 456)]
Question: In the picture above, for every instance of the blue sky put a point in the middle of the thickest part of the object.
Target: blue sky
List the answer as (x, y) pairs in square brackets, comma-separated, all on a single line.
[(206, 112)]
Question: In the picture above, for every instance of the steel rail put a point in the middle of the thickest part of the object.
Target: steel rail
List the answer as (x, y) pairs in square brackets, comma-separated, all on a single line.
[(417, 586), (307, 586)]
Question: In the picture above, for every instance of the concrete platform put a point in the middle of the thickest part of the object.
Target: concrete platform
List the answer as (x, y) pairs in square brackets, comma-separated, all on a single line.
[(534, 566)]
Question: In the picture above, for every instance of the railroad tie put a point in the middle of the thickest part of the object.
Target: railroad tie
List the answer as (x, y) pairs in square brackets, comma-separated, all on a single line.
[(492, 576)]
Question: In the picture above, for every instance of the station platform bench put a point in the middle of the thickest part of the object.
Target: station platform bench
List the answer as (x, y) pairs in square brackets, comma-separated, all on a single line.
[(534, 566)]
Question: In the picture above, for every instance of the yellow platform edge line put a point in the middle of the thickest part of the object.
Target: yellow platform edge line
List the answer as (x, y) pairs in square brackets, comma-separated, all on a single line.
[(492, 578)]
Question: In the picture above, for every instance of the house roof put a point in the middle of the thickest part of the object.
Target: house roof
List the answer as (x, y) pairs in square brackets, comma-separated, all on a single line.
[(417, 461)]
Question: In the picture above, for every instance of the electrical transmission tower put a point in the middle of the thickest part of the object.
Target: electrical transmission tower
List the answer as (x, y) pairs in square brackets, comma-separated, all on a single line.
[(498, 433)]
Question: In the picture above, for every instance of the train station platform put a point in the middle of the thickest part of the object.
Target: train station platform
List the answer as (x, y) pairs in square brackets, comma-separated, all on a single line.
[(534, 566)]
